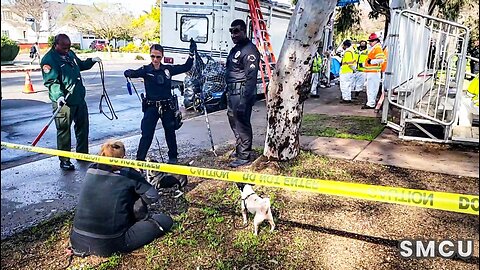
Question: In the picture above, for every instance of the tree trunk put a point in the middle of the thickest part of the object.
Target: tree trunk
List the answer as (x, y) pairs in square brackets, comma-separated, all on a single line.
[(291, 80)]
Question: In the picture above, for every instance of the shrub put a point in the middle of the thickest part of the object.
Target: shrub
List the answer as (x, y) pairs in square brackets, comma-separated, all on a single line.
[(139, 57), (129, 48), (9, 49), (51, 39)]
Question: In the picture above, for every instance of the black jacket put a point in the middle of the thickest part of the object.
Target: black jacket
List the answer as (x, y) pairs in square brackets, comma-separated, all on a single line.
[(242, 65), (105, 208)]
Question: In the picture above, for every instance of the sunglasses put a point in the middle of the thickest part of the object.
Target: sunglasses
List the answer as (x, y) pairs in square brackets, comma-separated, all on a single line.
[(234, 30), (156, 56)]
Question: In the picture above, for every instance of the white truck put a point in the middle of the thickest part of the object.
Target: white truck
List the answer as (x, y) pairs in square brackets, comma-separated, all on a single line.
[(208, 21)]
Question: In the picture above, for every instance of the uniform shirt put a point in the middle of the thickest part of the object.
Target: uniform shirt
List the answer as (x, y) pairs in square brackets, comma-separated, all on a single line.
[(242, 66), (61, 74), (105, 207), (158, 82)]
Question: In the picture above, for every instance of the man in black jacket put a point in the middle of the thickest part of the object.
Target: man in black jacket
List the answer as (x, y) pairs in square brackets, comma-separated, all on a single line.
[(241, 78)]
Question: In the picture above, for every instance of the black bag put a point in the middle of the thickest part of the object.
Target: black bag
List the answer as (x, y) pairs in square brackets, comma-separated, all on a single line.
[(33, 51)]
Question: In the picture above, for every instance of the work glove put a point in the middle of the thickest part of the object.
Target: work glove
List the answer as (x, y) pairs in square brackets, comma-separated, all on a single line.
[(193, 46), (360, 65), (61, 101), (127, 73), (96, 59)]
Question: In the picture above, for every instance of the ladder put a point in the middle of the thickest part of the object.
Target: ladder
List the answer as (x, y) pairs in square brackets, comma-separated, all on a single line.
[(262, 39)]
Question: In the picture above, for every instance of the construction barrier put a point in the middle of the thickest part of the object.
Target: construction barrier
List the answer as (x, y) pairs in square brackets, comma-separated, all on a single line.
[(461, 203)]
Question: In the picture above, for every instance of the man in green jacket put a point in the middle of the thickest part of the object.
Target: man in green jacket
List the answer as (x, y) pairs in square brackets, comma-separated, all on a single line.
[(61, 75)]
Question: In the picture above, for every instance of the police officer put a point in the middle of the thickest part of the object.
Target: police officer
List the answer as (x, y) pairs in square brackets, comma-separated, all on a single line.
[(159, 102), (241, 78), (61, 75)]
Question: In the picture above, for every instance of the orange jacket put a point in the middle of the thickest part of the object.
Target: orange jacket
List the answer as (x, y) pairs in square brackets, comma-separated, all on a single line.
[(375, 53)]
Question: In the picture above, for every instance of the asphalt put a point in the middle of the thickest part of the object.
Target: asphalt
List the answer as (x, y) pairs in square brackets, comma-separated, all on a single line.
[(33, 192)]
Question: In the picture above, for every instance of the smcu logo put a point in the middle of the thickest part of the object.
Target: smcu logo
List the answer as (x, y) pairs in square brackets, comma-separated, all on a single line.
[(436, 248)]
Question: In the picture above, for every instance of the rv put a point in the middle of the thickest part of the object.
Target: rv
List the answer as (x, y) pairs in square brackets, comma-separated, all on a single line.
[(208, 21)]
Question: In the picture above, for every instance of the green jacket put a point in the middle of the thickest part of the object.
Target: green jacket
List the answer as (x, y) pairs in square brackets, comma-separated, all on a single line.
[(62, 75)]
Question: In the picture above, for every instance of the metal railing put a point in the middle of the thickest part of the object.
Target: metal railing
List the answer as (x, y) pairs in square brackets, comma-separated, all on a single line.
[(426, 67)]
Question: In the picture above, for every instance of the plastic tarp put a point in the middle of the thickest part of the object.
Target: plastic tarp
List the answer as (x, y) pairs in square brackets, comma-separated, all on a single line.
[(207, 80), (335, 67)]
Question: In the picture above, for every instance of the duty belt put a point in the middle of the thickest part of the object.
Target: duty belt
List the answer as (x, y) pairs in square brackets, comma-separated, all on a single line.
[(159, 103), (236, 88)]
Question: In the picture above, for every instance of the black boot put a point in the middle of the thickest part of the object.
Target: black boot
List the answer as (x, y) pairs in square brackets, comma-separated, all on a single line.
[(66, 165)]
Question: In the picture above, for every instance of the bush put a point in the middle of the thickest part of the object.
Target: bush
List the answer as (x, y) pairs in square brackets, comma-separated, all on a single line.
[(51, 39), (129, 48), (139, 57), (9, 49), (75, 46)]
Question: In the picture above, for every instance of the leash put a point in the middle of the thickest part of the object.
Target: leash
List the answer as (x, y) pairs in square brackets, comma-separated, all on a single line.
[(105, 96)]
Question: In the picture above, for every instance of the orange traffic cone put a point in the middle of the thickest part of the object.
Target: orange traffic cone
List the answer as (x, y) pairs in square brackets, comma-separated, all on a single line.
[(28, 85)]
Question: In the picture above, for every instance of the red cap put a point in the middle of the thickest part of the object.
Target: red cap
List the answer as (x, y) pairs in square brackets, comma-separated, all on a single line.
[(373, 37)]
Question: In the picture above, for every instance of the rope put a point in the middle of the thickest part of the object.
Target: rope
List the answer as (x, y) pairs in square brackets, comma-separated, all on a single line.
[(105, 96)]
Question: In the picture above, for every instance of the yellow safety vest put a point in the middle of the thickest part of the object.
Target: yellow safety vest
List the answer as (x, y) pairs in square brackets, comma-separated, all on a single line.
[(361, 59), (317, 64), (349, 59)]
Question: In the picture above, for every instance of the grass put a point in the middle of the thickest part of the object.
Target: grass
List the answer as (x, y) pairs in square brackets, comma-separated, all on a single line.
[(313, 231), (347, 127)]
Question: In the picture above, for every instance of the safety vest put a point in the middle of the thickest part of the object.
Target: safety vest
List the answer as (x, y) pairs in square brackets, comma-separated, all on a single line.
[(349, 59), (375, 53), (361, 58), (317, 64), (384, 64)]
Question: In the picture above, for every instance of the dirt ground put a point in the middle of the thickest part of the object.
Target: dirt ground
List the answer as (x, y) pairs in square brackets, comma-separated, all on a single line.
[(313, 231)]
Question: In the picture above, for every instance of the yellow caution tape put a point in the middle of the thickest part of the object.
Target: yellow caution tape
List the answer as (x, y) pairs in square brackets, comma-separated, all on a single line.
[(461, 203)]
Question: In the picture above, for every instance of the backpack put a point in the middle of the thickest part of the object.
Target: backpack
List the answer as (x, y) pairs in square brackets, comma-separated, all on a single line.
[(33, 50)]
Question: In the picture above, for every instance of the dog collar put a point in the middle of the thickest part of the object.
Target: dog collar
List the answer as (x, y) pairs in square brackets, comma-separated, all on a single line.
[(244, 200)]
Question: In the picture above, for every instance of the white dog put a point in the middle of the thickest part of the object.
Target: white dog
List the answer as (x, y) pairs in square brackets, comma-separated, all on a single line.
[(257, 206)]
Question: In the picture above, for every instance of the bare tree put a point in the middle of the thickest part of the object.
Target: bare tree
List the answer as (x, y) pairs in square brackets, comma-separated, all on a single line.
[(32, 10), (291, 80)]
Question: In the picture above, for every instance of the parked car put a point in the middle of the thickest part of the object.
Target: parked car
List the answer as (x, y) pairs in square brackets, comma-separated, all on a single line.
[(98, 45)]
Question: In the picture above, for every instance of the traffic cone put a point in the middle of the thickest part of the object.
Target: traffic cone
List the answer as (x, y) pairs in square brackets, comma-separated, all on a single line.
[(28, 85)]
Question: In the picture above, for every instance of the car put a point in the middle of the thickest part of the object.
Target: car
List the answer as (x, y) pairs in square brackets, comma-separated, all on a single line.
[(98, 45)]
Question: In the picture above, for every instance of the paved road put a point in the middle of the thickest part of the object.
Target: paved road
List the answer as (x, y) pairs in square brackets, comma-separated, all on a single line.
[(24, 115)]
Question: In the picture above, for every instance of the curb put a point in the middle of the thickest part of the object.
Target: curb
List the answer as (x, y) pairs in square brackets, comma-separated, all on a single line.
[(20, 70)]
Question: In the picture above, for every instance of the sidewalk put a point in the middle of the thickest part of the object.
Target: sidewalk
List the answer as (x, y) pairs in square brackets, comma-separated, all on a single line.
[(33, 192)]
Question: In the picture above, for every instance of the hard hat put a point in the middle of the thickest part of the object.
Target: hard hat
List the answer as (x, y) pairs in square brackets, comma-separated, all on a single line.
[(373, 37)]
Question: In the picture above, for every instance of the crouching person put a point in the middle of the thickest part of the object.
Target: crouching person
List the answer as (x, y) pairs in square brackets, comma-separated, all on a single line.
[(112, 215)]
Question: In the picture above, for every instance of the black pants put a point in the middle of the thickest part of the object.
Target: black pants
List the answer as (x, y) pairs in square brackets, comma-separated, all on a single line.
[(149, 123), (141, 233), (240, 123), (77, 114)]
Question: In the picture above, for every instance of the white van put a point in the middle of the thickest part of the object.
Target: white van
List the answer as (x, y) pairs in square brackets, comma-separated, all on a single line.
[(208, 21)]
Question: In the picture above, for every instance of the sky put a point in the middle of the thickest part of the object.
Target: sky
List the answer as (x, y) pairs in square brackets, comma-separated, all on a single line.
[(136, 9)]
